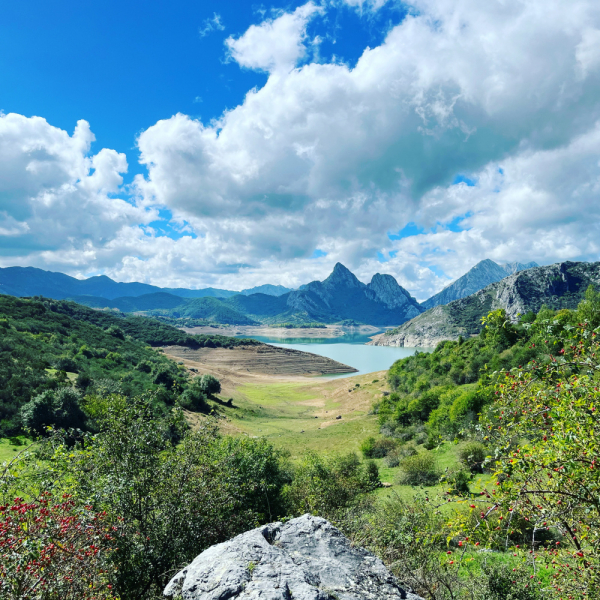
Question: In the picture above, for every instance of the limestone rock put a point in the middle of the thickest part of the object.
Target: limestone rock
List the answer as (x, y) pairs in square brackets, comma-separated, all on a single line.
[(304, 559), (561, 285)]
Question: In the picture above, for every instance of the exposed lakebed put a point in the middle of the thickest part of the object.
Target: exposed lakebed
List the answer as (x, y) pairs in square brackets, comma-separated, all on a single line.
[(349, 349)]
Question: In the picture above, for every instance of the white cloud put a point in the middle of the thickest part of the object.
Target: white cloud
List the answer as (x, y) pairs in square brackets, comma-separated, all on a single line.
[(276, 44), (210, 25), (325, 156), (52, 194)]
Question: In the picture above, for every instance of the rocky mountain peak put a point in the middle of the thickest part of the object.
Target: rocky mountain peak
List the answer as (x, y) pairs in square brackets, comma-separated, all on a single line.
[(342, 277), (387, 290)]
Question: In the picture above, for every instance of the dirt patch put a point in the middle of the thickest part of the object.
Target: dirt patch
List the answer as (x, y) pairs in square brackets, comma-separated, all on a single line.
[(264, 359)]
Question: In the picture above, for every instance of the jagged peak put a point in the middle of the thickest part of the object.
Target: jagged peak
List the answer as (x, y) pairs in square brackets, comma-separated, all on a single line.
[(341, 275)]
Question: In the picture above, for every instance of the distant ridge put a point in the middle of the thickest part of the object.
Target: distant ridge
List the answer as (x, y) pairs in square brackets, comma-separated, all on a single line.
[(561, 285), (29, 281), (340, 297), (481, 275)]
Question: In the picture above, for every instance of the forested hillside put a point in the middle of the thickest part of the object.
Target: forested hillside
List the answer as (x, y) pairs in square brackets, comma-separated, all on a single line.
[(41, 341), (446, 389)]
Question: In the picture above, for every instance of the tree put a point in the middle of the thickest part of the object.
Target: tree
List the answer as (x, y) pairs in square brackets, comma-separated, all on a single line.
[(210, 385), (58, 408), (545, 427)]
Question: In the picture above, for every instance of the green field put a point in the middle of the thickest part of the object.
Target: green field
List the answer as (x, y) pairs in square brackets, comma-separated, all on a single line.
[(284, 413)]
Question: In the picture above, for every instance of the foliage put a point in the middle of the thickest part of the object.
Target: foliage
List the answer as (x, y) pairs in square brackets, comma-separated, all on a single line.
[(325, 486), (209, 385), (419, 469), (170, 491), (58, 408), (372, 448), (545, 429), (447, 388), (473, 455), (53, 548)]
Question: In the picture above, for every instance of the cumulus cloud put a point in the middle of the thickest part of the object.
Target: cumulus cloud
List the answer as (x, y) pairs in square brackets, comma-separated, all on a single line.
[(53, 194), (274, 45), (323, 156), (328, 156)]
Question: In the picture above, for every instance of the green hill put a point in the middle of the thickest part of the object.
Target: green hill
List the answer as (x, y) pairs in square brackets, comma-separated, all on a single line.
[(41, 340)]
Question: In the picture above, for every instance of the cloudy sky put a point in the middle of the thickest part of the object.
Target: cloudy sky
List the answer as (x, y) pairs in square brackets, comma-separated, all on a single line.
[(229, 144)]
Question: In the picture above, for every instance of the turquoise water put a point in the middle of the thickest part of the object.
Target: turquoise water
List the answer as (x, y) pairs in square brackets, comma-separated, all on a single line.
[(349, 349)]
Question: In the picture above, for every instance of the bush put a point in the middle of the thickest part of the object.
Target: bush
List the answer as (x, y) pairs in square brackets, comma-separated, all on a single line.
[(58, 408), (398, 454), (64, 363), (372, 448), (194, 399), (144, 366), (367, 447), (472, 455), (209, 385), (58, 549), (459, 482), (419, 469), (324, 486)]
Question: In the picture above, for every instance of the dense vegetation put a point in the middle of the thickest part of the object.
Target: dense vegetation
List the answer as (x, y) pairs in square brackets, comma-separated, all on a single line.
[(43, 340), (446, 389), (535, 439)]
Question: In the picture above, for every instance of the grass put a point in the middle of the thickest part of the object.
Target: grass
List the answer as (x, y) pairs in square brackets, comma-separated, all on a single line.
[(284, 413), (8, 449)]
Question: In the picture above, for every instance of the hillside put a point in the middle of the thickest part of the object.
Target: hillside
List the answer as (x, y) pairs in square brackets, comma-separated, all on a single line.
[(29, 281), (481, 275), (557, 286)]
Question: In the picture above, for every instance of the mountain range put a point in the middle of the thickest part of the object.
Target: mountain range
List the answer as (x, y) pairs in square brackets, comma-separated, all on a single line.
[(481, 275), (340, 297), (561, 285), (29, 281)]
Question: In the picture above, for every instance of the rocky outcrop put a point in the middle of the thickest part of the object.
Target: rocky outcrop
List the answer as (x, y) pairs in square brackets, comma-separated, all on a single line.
[(386, 290), (304, 559), (481, 275), (561, 285), (342, 296)]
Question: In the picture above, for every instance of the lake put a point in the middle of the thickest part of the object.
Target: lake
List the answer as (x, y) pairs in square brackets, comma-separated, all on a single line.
[(349, 349)]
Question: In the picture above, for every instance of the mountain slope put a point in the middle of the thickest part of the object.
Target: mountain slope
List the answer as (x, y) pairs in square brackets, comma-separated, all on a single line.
[(29, 281), (561, 285), (144, 302), (481, 275), (340, 297)]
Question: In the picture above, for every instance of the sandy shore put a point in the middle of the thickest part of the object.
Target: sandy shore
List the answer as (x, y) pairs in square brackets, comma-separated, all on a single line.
[(330, 331), (263, 359)]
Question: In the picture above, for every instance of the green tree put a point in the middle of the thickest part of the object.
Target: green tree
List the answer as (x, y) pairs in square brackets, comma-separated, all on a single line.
[(59, 408), (545, 428), (210, 385)]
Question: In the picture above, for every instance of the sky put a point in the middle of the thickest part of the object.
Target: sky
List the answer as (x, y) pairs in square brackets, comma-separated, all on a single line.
[(232, 144)]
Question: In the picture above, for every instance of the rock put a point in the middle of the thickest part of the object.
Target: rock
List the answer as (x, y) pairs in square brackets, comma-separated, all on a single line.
[(304, 559), (561, 285), (385, 393)]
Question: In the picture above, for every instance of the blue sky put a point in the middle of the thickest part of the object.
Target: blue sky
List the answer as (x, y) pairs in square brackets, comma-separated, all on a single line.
[(233, 144), (122, 65)]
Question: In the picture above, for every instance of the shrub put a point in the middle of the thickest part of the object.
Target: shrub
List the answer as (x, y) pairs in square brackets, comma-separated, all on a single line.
[(324, 486), (210, 385), (472, 455), (372, 448), (144, 366), (54, 547), (367, 447), (58, 408), (419, 469), (64, 363), (193, 399), (459, 482)]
